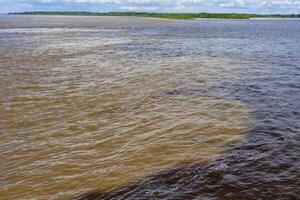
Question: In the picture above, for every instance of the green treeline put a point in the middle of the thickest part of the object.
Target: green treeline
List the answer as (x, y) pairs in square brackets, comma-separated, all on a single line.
[(164, 15)]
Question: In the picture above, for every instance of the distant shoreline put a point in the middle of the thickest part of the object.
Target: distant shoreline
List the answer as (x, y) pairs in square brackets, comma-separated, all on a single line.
[(165, 15)]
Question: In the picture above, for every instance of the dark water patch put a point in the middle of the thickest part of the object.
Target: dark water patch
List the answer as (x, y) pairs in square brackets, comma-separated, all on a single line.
[(263, 166)]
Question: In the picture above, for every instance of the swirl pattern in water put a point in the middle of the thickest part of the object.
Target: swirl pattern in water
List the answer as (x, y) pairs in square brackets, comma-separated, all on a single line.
[(175, 111)]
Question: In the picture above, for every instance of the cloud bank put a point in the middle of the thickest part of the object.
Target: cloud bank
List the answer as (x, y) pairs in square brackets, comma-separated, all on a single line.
[(249, 6)]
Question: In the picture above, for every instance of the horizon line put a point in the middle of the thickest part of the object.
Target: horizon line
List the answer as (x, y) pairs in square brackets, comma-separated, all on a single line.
[(76, 11)]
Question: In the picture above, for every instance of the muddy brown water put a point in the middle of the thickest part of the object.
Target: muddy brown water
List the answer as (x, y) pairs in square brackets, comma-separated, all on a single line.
[(122, 110)]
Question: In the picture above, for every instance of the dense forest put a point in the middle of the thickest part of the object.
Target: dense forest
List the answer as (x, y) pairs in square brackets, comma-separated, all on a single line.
[(164, 15)]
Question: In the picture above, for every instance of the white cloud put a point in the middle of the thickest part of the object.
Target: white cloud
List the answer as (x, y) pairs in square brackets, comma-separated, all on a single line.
[(225, 3), (174, 5), (139, 8)]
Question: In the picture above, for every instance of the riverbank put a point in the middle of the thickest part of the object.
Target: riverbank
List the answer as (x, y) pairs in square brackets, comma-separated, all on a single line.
[(165, 15)]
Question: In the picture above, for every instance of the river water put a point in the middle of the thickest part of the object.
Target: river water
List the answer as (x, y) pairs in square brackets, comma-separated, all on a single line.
[(203, 109)]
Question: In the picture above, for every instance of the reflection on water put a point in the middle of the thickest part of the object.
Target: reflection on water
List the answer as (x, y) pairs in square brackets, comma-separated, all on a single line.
[(84, 109)]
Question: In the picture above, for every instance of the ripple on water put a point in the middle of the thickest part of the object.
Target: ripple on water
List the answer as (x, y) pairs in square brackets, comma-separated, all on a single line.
[(76, 119), (84, 134)]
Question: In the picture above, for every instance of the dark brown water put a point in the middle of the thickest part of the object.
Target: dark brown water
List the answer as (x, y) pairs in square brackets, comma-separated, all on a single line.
[(191, 110)]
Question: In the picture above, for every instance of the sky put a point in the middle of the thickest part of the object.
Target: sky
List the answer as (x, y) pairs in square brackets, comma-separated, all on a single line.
[(244, 6)]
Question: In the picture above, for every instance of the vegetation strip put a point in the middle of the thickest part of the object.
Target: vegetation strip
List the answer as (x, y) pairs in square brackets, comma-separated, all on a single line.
[(164, 15)]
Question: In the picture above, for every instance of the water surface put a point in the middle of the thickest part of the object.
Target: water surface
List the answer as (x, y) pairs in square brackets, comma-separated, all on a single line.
[(186, 110)]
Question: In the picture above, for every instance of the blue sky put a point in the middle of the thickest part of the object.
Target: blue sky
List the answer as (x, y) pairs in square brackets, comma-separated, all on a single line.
[(247, 6)]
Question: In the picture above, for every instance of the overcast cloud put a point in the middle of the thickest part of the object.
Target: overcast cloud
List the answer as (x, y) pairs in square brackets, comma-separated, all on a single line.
[(249, 6)]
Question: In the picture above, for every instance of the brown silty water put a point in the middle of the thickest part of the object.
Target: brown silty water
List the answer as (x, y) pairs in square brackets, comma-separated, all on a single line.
[(78, 114)]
